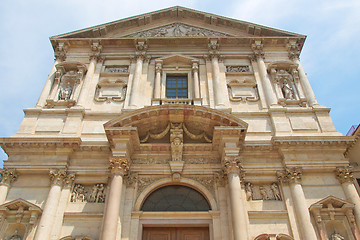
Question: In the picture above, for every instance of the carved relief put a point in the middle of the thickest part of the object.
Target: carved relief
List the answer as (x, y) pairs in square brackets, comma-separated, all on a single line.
[(90, 194), (149, 160), (201, 159), (238, 69), (344, 174), (66, 84), (116, 69), (290, 175), (8, 176), (144, 182), (207, 182), (243, 91), (262, 192), (287, 85), (108, 90), (177, 30), (176, 140)]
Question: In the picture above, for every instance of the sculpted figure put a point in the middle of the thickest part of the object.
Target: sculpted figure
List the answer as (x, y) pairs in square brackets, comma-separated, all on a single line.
[(92, 196), (263, 193), (275, 189), (65, 92), (336, 236), (100, 196), (176, 149), (248, 190), (287, 90)]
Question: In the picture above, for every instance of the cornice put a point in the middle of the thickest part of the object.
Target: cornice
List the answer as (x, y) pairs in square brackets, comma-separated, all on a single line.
[(309, 141)]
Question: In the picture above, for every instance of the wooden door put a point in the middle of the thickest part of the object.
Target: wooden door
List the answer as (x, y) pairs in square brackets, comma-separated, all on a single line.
[(172, 233)]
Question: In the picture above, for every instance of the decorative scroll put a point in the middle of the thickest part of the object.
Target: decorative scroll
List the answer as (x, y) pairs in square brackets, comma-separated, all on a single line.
[(238, 69), (109, 90), (90, 194), (124, 69), (178, 30), (262, 192)]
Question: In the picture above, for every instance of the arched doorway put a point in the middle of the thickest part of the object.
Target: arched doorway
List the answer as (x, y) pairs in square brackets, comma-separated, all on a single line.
[(172, 199)]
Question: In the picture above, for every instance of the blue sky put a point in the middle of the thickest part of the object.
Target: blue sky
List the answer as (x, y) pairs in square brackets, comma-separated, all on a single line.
[(330, 55)]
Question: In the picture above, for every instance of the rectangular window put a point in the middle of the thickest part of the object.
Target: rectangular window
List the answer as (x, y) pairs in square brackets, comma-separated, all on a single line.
[(176, 87)]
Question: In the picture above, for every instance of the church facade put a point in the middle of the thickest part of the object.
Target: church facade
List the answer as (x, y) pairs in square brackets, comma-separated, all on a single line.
[(178, 124)]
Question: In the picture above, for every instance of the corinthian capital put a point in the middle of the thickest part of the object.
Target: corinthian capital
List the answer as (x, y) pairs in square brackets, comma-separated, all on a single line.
[(344, 174), (57, 176), (214, 48), (290, 175), (8, 176), (257, 48), (96, 51), (119, 165), (141, 49), (233, 165), (294, 50)]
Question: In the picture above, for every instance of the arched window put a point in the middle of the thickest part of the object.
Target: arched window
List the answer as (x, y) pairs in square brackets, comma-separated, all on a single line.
[(175, 198)]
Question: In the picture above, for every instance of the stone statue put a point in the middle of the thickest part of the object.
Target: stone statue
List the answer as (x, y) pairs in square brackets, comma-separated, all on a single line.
[(287, 90), (336, 236), (65, 92), (263, 193), (100, 196), (275, 189), (248, 190), (16, 236), (176, 149)]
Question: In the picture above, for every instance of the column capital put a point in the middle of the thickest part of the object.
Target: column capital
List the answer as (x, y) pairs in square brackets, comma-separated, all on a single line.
[(158, 67), (119, 165), (69, 180), (213, 48), (195, 67), (294, 50), (57, 176), (232, 164), (141, 49), (290, 175), (8, 176), (96, 49), (344, 174), (257, 48)]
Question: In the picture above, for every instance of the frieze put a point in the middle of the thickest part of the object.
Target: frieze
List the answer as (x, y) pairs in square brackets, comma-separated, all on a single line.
[(207, 182), (150, 160), (178, 30), (89, 194), (112, 69), (201, 160), (144, 182), (238, 69), (262, 192)]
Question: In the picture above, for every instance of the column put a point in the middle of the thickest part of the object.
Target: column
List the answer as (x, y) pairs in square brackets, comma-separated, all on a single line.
[(233, 169), (86, 82), (195, 69), (8, 176), (141, 48), (258, 56), (157, 84), (346, 179), (48, 84), (119, 167), (48, 216), (293, 177), (63, 202)]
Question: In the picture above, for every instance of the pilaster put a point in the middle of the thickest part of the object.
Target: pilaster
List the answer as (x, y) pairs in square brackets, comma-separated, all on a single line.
[(8, 176)]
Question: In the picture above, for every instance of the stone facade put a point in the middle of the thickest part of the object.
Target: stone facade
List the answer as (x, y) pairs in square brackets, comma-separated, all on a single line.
[(249, 136)]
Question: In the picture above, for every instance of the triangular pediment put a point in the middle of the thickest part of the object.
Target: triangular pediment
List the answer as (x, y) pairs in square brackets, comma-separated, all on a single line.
[(334, 201), (177, 22), (20, 203)]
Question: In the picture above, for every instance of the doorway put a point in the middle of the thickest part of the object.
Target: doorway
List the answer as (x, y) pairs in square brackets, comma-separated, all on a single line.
[(176, 233)]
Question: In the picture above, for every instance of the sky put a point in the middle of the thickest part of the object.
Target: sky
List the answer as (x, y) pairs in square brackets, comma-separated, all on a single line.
[(330, 56)]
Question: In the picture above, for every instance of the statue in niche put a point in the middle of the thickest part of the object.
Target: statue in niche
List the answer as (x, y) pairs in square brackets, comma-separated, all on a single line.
[(336, 236), (287, 90), (249, 191), (16, 236), (275, 189), (263, 193), (65, 92)]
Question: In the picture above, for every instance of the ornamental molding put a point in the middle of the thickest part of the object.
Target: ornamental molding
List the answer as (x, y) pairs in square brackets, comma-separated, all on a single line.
[(297, 141), (232, 164), (258, 50), (8, 176), (262, 191), (178, 30), (143, 182), (61, 177), (243, 91), (110, 90)]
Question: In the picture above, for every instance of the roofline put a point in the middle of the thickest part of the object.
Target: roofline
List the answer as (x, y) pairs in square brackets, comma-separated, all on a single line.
[(177, 8)]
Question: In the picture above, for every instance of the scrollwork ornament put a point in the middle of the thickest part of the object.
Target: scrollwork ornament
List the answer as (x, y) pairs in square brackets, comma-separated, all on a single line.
[(8, 176), (290, 175), (344, 174), (119, 165)]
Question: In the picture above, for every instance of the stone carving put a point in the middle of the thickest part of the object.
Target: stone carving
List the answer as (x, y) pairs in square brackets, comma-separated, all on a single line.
[(65, 91), (177, 30), (294, 50), (57, 176), (141, 48), (262, 192), (257, 48), (214, 48), (176, 139), (249, 191), (108, 90), (287, 90), (336, 236), (201, 160), (91, 194), (207, 182), (144, 182), (344, 174), (290, 175), (233, 165), (119, 165), (245, 91), (8, 176), (245, 68), (150, 160), (220, 178), (124, 69)]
